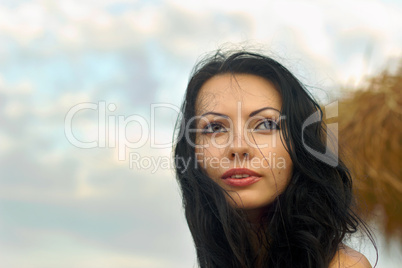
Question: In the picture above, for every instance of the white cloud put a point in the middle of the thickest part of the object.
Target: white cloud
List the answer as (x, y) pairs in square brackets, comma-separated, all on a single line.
[(51, 248), (147, 51)]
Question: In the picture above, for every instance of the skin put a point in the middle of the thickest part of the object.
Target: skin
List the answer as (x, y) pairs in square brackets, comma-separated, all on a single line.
[(231, 137), (348, 257), (223, 144)]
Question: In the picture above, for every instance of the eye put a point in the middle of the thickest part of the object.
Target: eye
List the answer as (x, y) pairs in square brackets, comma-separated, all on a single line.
[(267, 124), (214, 128)]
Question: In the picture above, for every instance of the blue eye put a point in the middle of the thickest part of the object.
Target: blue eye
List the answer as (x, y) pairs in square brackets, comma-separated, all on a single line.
[(214, 128), (267, 124)]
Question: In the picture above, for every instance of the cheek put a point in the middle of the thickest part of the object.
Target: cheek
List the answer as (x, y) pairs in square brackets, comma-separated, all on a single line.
[(203, 156), (200, 149), (208, 160), (206, 150), (281, 164), (200, 155), (285, 173)]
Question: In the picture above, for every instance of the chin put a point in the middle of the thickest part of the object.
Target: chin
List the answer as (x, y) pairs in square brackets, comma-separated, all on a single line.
[(249, 204)]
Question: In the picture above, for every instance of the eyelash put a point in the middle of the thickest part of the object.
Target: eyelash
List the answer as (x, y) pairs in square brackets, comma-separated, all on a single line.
[(208, 129), (272, 124)]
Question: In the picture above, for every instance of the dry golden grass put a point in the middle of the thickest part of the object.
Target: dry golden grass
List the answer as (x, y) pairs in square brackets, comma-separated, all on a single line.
[(370, 137)]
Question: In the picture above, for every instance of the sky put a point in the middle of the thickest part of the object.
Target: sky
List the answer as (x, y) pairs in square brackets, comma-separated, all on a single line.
[(89, 92)]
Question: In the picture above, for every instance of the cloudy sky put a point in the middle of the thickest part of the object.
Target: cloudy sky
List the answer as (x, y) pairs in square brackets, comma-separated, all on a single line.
[(79, 77)]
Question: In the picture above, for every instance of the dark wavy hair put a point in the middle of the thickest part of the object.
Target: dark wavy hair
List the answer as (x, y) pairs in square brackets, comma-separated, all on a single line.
[(306, 224)]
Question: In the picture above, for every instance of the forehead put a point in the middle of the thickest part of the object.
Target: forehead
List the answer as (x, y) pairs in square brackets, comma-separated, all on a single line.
[(221, 92)]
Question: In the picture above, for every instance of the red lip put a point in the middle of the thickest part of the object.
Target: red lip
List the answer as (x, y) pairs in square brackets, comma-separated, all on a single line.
[(239, 171), (241, 182)]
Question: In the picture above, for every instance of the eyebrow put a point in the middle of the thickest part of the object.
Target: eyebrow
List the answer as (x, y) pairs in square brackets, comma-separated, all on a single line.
[(250, 115), (262, 109), (213, 113)]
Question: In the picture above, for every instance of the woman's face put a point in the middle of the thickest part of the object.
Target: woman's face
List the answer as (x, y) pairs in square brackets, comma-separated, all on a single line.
[(238, 139)]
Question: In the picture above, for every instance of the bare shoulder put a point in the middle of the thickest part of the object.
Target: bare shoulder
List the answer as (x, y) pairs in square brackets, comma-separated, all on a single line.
[(348, 257)]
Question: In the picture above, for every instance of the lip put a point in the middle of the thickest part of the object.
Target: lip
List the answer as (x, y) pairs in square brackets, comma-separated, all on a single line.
[(253, 177)]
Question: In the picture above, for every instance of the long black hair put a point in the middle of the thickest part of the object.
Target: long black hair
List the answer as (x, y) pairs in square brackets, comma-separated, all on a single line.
[(306, 224)]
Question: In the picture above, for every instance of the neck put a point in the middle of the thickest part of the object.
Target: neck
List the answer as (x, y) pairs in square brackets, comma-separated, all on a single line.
[(254, 216), (258, 234)]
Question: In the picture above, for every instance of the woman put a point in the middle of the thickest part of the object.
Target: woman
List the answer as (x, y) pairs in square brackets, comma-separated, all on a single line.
[(253, 194)]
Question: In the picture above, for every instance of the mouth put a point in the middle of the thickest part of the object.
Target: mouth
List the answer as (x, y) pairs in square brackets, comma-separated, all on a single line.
[(240, 177)]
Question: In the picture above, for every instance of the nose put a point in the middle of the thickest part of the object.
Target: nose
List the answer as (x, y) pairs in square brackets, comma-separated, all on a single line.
[(234, 155), (239, 148)]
